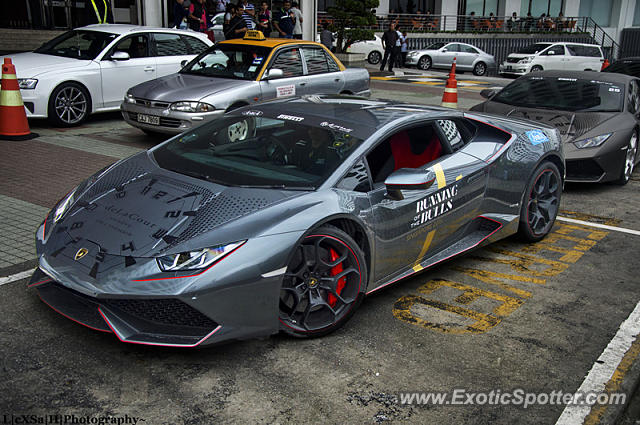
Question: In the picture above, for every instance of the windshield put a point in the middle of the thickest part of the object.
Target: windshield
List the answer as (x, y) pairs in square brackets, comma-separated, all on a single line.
[(436, 46), (631, 68), (77, 44), (253, 151), (568, 94), (239, 62), (534, 48)]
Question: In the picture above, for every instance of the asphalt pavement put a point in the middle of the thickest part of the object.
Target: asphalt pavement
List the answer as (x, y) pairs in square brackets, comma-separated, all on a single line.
[(512, 316)]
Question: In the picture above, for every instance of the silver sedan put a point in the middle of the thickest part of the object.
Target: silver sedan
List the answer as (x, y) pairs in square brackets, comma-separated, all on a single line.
[(236, 73), (440, 55)]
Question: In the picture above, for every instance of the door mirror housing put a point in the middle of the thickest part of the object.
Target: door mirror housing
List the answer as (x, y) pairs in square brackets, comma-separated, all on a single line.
[(183, 63), (488, 93), (120, 56), (408, 179), (273, 74)]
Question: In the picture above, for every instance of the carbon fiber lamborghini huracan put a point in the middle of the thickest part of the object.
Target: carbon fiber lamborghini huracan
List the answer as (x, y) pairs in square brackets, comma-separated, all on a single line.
[(283, 216)]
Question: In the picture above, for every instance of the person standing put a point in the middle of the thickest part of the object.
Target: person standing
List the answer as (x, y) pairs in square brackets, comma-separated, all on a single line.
[(283, 21), (249, 14), (404, 48), (198, 16), (179, 14), (297, 26), (237, 25), (221, 6), (389, 39), (98, 12), (326, 36), (264, 19)]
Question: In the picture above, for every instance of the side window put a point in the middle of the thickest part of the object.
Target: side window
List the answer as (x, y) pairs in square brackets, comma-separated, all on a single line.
[(219, 19), (315, 60), (453, 47), (194, 45), (333, 66), (136, 45), (634, 97), (557, 51), (169, 45), (452, 134), (411, 148), (593, 52), (357, 179), (469, 49), (575, 50), (289, 62)]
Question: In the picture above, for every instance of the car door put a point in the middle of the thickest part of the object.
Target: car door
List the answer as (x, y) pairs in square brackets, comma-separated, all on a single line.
[(293, 81), (424, 222), (119, 75), (445, 56), (323, 73), (555, 58), (466, 57), (170, 50)]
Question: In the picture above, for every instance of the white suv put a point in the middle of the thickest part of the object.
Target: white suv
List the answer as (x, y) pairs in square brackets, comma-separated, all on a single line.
[(553, 56)]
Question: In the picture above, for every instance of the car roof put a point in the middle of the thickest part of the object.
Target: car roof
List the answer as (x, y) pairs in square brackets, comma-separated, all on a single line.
[(608, 77), (365, 116), (269, 42), (125, 28)]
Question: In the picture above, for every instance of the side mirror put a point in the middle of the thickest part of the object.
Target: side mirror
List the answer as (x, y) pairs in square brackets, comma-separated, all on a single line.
[(551, 52), (488, 93), (120, 56), (408, 179), (183, 63), (273, 74)]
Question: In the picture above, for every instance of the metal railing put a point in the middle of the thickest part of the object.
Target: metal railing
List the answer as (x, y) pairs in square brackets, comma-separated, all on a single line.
[(610, 47)]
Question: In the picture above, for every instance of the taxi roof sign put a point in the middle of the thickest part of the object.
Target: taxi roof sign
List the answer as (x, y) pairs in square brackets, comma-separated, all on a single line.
[(254, 35)]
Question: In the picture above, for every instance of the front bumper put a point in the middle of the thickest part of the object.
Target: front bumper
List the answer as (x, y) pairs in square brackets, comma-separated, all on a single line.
[(514, 68), (593, 165), (411, 60), (170, 122), (35, 105)]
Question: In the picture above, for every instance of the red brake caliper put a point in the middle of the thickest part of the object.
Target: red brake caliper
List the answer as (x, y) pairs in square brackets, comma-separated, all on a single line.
[(334, 271)]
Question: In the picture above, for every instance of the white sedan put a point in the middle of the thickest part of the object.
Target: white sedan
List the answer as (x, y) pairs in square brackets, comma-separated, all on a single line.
[(372, 49), (89, 69)]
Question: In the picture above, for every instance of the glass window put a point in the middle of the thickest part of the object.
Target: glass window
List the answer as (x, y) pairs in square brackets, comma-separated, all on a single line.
[(333, 66), (468, 49), (451, 132), (169, 45), (634, 97), (558, 50), (453, 47), (598, 10), (636, 15), (357, 179), (534, 48), (195, 46), (568, 94), (136, 45), (476, 6), (315, 60), (239, 150), (289, 62), (77, 44), (240, 62)]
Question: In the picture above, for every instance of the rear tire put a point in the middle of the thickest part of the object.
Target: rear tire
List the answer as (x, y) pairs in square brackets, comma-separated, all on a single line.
[(629, 162), (424, 63), (480, 69), (324, 284), (541, 202)]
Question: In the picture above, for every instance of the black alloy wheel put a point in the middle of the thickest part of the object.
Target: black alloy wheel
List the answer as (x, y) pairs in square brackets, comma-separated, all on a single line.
[(541, 202)]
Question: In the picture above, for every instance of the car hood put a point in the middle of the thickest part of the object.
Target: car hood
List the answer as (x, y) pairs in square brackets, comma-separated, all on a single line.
[(139, 210), (31, 64), (572, 125), (180, 86)]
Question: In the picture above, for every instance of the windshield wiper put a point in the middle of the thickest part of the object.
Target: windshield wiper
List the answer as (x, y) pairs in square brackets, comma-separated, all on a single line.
[(197, 175), (278, 186)]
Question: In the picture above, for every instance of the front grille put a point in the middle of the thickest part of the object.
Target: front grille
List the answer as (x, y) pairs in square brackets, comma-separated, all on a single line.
[(151, 103), (513, 60), (587, 169), (166, 311)]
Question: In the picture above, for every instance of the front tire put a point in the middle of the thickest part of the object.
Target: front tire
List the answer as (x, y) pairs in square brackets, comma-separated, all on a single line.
[(536, 68), (629, 162), (324, 284), (424, 63), (480, 69), (374, 57), (69, 105), (541, 202)]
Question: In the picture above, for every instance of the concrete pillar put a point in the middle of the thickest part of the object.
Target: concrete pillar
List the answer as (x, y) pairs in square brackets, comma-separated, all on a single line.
[(383, 8), (571, 8), (152, 13), (309, 9), (449, 9), (511, 6)]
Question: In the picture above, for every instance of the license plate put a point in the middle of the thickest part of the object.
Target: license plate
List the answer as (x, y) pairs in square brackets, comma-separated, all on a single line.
[(149, 119)]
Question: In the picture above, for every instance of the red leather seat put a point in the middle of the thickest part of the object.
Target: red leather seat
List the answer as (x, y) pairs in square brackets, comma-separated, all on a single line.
[(405, 157)]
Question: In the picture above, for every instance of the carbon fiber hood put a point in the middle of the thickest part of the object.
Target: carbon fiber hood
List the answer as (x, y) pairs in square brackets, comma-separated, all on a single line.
[(571, 125), (137, 209)]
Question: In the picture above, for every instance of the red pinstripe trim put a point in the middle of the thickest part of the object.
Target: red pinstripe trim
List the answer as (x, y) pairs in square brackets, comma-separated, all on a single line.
[(71, 318)]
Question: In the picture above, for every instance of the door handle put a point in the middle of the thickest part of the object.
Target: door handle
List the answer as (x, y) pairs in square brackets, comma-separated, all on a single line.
[(148, 68), (303, 84), (337, 80)]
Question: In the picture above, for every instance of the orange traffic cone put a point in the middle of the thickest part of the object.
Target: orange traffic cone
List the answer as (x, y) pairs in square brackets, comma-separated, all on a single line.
[(13, 117), (605, 64), (450, 96)]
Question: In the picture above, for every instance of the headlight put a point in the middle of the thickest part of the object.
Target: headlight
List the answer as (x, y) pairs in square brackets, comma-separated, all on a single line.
[(192, 107), (412, 53), (129, 98), (196, 259), (528, 59), (63, 206), (27, 83), (592, 142)]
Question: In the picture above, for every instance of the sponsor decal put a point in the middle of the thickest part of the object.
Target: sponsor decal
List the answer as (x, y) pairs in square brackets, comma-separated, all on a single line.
[(126, 214), (337, 127), (284, 91), (252, 113), (258, 60), (81, 253), (290, 117), (252, 68), (536, 137), (434, 205)]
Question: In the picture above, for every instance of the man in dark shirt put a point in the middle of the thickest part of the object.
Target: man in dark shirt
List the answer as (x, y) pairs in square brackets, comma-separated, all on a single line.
[(389, 39), (284, 21), (237, 25)]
